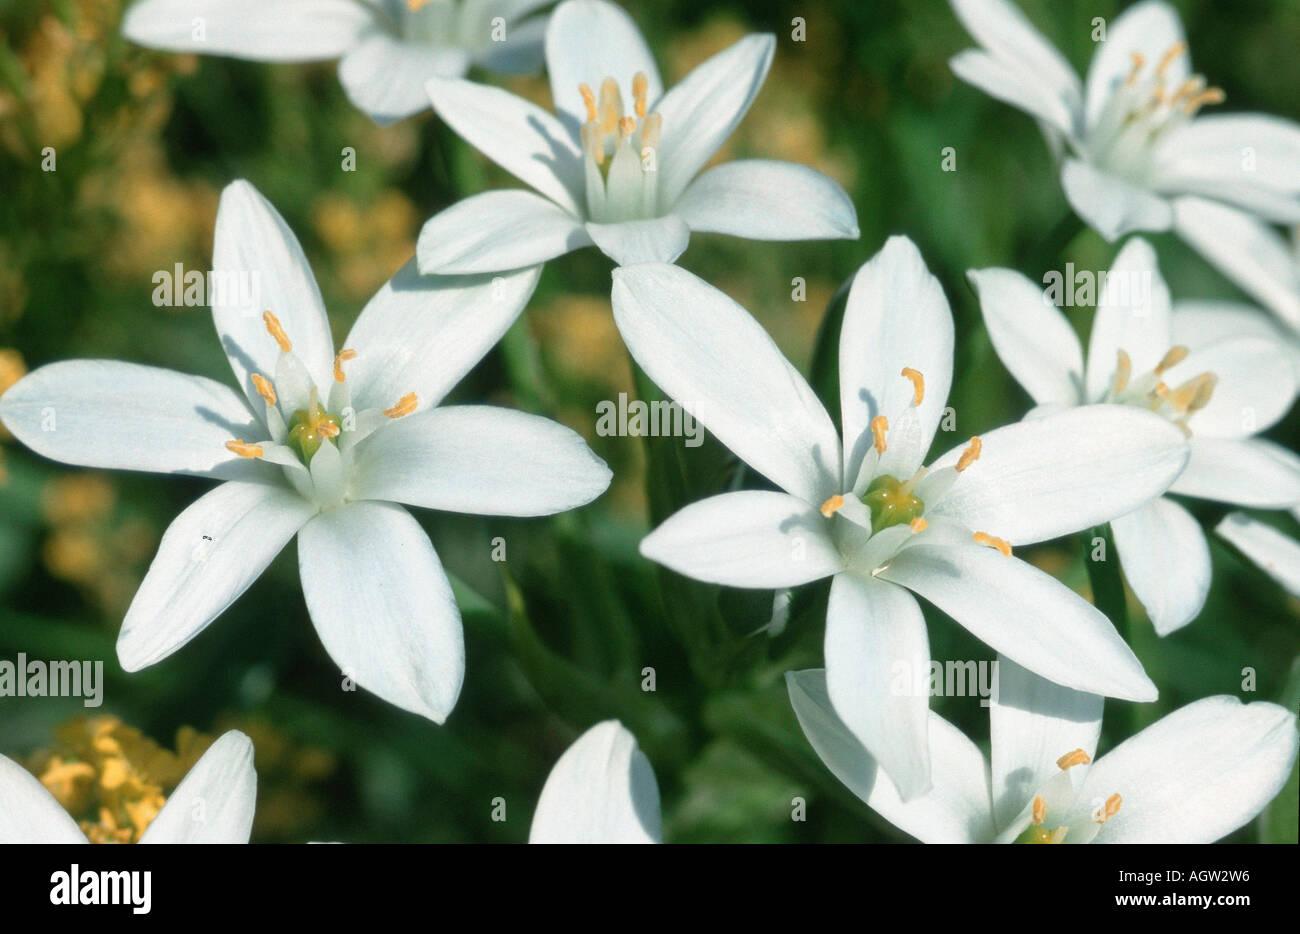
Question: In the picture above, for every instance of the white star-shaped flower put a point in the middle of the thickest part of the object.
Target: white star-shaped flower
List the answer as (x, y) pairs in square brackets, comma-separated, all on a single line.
[(387, 49), (867, 512), (1193, 776), (617, 164), (320, 445)]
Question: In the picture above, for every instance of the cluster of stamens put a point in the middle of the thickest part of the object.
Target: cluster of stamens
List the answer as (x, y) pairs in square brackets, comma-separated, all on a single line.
[(1039, 832), (1151, 391), (620, 151)]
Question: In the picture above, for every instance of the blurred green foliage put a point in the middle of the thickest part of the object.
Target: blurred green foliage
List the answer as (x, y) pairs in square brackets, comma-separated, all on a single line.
[(557, 638)]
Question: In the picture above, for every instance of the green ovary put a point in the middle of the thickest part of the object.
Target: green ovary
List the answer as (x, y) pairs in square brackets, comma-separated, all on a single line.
[(891, 502), (305, 435)]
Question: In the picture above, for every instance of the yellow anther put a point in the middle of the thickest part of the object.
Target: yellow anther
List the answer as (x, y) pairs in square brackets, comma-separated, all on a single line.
[(611, 105), (1138, 62), (405, 406), (627, 126), (918, 525), (327, 429), (918, 384), (1040, 809), (275, 330), (1110, 808), (1176, 355), (344, 355), (593, 142), (1189, 88), (414, 5), (879, 426), (1071, 759), (992, 541), (651, 127), (1161, 390), (970, 455), (832, 505), (264, 388), (1175, 52), (1123, 371), (588, 100), (244, 450), (640, 87), (1204, 392), (1209, 96)]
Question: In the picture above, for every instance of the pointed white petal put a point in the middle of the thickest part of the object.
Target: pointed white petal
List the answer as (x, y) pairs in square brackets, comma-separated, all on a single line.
[(1010, 83), (1202, 323), (481, 460), (1166, 561), (753, 538), (1133, 315), (659, 240), (1054, 475), (422, 334), (1249, 252), (385, 77), (1034, 722), (709, 355), (705, 108), (123, 416), (523, 52), (262, 30), (498, 230), (1243, 472), (1110, 205), (760, 199), (517, 135), (1025, 614), (588, 41), (1277, 554), (382, 605), (877, 675), (1256, 386), (602, 790), (29, 813), (957, 809), (1033, 339), (208, 556), (214, 803), (1195, 775), (1150, 29), (896, 317), (253, 244)]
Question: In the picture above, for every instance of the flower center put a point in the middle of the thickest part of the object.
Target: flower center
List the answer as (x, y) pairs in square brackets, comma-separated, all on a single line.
[(311, 427), (1080, 831), (1150, 391), (620, 153), (1143, 109), (892, 502)]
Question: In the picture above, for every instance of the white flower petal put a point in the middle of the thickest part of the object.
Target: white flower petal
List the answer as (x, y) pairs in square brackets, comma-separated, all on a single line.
[(523, 52), (1133, 315), (1032, 338), (262, 30), (498, 230), (760, 199), (1256, 386), (214, 803), (753, 538), (877, 675), (1150, 29), (718, 363), (1250, 160), (1051, 476), (385, 77), (1249, 252), (1277, 554), (382, 605), (1166, 560), (1202, 323), (253, 244), (701, 111), (29, 813), (1110, 205), (602, 790), (659, 240), (208, 556), (1001, 28), (1195, 775), (124, 416), (481, 460), (1243, 472), (422, 334), (957, 809), (896, 316), (1034, 722), (1008, 82), (588, 41), (517, 135), (1025, 614)]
